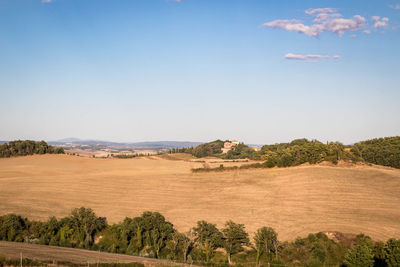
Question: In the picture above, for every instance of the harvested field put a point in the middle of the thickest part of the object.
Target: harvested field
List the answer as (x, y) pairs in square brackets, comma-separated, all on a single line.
[(295, 201), (12, 250)]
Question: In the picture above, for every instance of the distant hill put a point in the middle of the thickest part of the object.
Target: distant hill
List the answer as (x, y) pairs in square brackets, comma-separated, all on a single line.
[(77, 141), (69, 140), (166, 144), (149, 144)]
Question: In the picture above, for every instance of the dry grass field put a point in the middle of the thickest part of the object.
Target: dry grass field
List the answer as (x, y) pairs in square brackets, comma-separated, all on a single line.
[(295, 201)]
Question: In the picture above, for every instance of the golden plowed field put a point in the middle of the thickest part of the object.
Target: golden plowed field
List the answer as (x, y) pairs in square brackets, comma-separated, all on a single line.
[(295, 201)]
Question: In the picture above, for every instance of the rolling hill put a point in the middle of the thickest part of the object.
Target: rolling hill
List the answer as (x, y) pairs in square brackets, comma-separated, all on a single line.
[(295, 201)]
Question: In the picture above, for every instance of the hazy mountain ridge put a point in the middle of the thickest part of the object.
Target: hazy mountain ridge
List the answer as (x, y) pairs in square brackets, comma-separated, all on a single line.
[(146, 144)]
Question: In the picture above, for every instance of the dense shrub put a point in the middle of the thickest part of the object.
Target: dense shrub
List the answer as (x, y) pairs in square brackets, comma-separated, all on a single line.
[(380, 151), (27, 147), (12, 227), (208, 149)]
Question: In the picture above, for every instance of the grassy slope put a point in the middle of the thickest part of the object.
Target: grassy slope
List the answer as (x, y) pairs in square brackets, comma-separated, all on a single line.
[(295, 201)]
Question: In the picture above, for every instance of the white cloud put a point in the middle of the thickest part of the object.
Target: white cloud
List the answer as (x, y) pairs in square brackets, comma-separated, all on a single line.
[(326, 20), (380, 22), (47, 1), (309, 57), (293, 26), (312, 11), (340, 26), (375, 18), (325, 16)]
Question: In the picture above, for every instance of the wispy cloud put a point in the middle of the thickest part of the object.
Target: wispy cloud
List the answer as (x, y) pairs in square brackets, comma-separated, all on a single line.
[(312, 11), (309, 57), (326, 20), (380, 22), (322, 14), (47, 1), (397, 6), (325, 16), (294, 26)]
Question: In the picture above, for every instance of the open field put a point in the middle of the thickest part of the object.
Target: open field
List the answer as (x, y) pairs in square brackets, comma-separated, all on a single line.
[(104, 154), (72, 255), (295, 201)]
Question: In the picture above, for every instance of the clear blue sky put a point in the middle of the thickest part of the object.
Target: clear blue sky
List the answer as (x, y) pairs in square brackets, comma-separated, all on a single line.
[(198, 70)]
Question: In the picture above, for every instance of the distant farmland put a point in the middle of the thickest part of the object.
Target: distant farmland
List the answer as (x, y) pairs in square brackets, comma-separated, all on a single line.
[(295, 201)]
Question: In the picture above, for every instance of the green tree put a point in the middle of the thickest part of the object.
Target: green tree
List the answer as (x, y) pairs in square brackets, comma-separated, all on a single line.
[(318, 252), (49, 232), (187, 244), (360, 255), (240, 151), (235, 237), (379, 255), (266, 241), (114, 239), (381, 151), (27, 147), (182, 244), (392, 252), (86, 224), (208, 149), (153, 230), (208, 238), (12, 227)]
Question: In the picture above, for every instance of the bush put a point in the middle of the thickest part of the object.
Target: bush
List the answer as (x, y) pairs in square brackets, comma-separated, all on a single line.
[(27, 147)]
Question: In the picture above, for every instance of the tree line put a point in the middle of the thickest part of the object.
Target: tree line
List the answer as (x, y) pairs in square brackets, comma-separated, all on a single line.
[(151, 235), (27, 147), (204, 150), (380, 151)]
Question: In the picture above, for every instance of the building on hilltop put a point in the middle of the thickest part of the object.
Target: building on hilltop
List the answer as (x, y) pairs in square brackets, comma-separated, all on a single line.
[(228, 146)]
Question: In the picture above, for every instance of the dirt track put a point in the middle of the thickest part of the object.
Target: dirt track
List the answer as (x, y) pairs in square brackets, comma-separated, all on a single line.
[(295, 201), (78, 256)]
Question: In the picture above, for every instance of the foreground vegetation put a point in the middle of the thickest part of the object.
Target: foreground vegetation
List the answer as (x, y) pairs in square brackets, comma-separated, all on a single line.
[(27, 147), (380, 151), (151, 235)]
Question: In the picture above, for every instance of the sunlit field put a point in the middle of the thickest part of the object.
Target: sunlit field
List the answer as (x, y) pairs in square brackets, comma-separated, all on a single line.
[(295, 201)]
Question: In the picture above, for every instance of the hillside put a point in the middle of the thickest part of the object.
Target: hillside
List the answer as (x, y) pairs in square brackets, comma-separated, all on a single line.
[(381, 151), (295, 201)]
